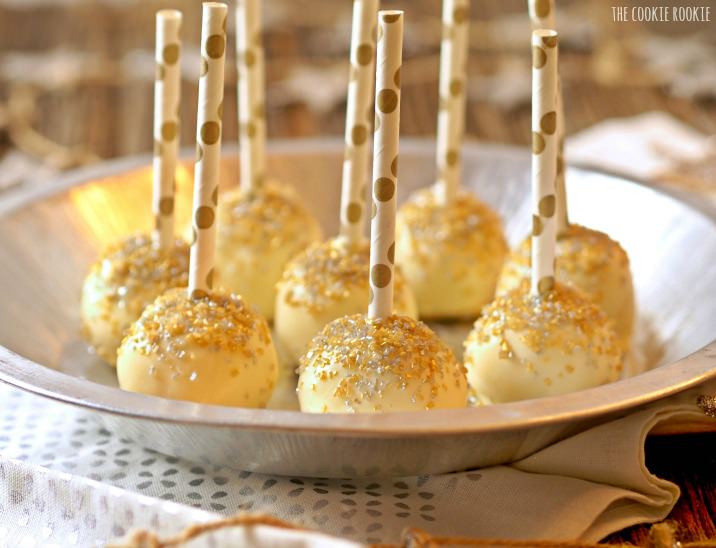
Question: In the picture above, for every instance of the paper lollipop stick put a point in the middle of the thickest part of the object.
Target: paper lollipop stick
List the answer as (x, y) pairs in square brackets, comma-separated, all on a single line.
[(544, 158), (385, 162), (166, 124), (358, 119), (451, 114), (252, 106), (542, 16), (208, 148)]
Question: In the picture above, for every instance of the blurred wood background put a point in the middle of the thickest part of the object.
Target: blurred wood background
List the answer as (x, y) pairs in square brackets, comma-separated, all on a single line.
[(80, 72)]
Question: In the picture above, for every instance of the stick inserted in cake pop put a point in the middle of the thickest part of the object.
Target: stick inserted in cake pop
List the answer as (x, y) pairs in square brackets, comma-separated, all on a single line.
[(542, 16), (544, 158), (252, 106), (208, 148), (451, 114), (359, 115), (385, 162), (167, 88)]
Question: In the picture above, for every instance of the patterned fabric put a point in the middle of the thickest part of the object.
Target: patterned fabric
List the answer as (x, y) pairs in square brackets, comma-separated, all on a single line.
[(50, 451)]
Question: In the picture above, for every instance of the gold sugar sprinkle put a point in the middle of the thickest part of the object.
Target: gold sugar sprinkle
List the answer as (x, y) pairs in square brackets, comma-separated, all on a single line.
[(270, 217), (175, 323), (330, 271), (380, 355), (540, 321), (132, 272), (466, 226), (579, 250)]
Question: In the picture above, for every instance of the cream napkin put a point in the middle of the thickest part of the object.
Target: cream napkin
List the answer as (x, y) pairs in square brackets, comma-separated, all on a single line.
[(583, 487)]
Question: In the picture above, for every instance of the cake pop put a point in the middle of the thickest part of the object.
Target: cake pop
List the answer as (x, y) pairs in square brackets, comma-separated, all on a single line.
[(450, 245), (330, 280), (590, 261), (586, 259), (327, 281), (131, 273), (542, 338), (196, 344), (381, 361), (262, 224)]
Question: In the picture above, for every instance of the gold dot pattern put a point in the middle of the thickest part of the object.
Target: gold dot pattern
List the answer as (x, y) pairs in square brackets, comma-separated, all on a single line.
[(210, 132), (544, 160), (251, 94), (208, 136), (359, 135), (451, 112), (216, 45), (387, 101), (364, 54), (170, 54), (385, 164), (167, 87), (359, 116), (384, 189), (543, 16)]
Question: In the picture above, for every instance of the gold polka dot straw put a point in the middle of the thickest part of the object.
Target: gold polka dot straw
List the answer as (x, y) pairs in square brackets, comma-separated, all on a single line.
[(252, 110), (544, 157), (358, 119), (208, 146), (543, 16), (385, 162), (166, 123), (453, 80)]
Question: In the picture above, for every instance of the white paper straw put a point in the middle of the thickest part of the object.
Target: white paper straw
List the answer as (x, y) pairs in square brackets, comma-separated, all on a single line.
[(385, 162), (208, 139), (251, 94), (544, 158), (167, 88), (453, 83), (359, 117)]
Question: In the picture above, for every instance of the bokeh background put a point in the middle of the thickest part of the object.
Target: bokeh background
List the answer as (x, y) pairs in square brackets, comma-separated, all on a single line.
[(76, 75)]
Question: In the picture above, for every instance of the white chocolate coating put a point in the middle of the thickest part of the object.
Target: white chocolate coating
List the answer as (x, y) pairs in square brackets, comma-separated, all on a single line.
[(325, 282), (359, 365), (451, 255), (128, 276), (213, 350), (590, 261), (258, 233), (526, 346)]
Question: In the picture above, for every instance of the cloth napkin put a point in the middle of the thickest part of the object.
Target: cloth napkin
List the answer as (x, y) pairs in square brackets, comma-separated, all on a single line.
[(67, 481)]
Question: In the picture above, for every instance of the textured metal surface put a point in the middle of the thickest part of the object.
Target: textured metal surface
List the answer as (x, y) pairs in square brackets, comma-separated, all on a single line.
[(49, 238)]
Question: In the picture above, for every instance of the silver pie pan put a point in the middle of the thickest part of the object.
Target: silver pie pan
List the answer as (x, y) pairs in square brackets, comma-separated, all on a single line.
[(51, 233)]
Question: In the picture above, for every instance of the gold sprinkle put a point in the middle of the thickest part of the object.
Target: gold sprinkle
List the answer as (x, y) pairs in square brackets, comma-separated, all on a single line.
[(373, 357), (174, 323), (329, 272)]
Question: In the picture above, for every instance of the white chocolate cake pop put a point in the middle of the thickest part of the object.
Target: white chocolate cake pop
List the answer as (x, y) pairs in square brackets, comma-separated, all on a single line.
[(196, 344), (590, 261), (258, 234), (382, 361), (450, 245), (330, 280), (262, 224), (451, 255), (528, 346), (128, 276), (131, 273), (327, 281), (209, 349), (542, 338), (363, 365)]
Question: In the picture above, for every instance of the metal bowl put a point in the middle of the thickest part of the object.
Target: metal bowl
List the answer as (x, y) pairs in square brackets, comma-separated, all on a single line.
[(49, 236)]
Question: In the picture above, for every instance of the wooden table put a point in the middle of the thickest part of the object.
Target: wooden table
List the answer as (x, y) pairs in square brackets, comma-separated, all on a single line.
[(107, 112)]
